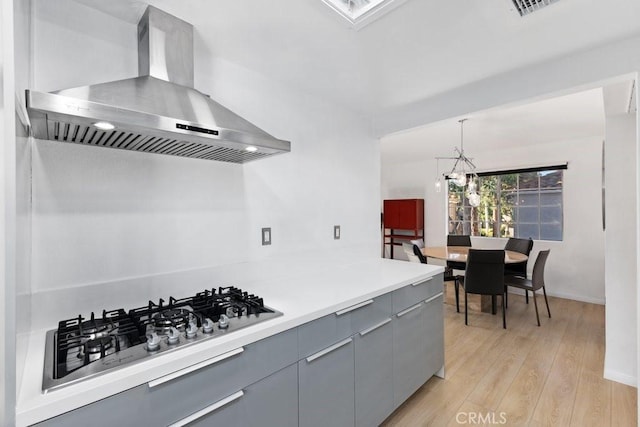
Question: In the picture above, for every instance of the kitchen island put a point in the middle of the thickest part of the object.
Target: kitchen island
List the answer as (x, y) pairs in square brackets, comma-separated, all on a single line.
[(339, 312)]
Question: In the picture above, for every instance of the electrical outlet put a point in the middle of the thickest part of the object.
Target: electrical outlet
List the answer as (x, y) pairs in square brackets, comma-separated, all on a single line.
[(336, 232), (266, 236)]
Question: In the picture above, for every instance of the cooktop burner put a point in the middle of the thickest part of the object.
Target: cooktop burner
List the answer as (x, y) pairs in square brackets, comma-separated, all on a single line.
[(178, 318), (84, 347)]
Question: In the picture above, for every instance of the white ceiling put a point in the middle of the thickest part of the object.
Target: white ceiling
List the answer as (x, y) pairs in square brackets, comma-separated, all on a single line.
[(570, 117), (422, 48)]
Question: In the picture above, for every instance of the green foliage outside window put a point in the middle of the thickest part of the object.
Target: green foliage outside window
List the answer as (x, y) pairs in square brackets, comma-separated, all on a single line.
[(523, 205)]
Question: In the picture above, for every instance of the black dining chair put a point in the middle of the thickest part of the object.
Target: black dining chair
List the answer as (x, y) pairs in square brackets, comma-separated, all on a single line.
[(457, 240), (484, 275), (519, 269), (536, 282), (417, 251), (448, 272)]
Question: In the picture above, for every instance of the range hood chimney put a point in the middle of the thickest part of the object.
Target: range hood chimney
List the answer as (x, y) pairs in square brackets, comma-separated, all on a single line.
[(157, 112)]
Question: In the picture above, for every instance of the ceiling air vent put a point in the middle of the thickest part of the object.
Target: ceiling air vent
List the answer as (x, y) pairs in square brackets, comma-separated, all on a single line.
[(526, 7)]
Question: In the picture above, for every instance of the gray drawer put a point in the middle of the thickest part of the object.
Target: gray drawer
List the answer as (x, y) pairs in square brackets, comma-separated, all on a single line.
[(321, 333), (371, 314), (273, 401), (412, 294), (327, 330), (126, 408), (214, 382), (176, 398)]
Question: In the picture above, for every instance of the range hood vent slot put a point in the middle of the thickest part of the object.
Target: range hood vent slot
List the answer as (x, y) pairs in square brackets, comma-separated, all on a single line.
[(158, 112), (526, 7), (89, 135)]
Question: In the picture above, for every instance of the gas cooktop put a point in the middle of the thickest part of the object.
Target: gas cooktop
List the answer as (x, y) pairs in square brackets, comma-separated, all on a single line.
[(85, 347)]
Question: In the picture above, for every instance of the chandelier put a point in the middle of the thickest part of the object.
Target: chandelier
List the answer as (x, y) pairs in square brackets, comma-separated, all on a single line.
[(463, 172)]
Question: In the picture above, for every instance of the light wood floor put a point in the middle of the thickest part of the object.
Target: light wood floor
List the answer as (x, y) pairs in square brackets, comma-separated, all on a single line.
[(525, 375)]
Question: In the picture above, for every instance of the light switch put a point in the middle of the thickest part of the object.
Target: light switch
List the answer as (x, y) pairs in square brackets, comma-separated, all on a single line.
[(266, 236), (336, 232)]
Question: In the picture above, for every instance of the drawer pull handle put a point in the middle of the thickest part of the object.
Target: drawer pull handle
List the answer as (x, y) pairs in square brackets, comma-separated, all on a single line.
[(178, 374), (328, 350), (408, 310), (201, 413), (422, 282), (354, 307), (374, 327), (433, 297)]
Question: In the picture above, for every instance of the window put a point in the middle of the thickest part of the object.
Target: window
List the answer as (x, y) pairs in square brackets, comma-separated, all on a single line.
[(519, 203)]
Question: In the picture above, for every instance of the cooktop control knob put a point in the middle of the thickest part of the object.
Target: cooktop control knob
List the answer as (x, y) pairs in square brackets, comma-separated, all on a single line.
[(192, 330), (223, 322), (173, 336), (153, 341), (207, 326)]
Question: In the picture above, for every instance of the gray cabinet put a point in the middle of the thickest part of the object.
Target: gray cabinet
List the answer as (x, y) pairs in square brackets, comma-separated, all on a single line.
[(272, 401), (348, 381), (127, 408), (216, 381), (419, 291), (326, 331), (184, 392), (409, 352), (351, 367), (326, 386), (434, 333), (373, 374), (418, 336)]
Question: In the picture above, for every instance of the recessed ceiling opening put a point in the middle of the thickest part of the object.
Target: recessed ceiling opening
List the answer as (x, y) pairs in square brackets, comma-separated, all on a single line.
[(362, 12)]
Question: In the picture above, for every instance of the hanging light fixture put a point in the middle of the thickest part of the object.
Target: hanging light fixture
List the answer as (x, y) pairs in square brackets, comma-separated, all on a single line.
[(438, 179), (463, 172)]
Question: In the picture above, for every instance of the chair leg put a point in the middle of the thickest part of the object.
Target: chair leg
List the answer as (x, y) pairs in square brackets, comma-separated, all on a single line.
[(546, 301), (526, 296), (535, 302), (493, 304), (506, 297), (465, 308), (504, 311), (456, 285)]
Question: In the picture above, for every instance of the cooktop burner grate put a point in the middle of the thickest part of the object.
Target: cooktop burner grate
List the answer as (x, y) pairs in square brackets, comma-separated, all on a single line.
[(84, 347)]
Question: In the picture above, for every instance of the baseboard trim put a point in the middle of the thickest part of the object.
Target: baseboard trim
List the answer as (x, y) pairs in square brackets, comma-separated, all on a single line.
[(440, 373), (620, 378), (581, 298)]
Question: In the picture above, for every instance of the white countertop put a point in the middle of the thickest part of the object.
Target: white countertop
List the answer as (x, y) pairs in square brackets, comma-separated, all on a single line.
[(303, 289)]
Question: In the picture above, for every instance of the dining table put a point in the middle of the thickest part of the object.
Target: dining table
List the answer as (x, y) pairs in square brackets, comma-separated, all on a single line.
[(459, 254)]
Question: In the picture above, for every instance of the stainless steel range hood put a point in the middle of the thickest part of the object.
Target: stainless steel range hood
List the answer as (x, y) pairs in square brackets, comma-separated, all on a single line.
[(158, 112)]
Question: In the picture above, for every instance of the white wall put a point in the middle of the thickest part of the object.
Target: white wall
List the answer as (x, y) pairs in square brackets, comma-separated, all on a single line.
[(22, 40), (5, 368), (329, 178), (102, 216), (7, 217), (583, 237), (620, 242), (585, 69)]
